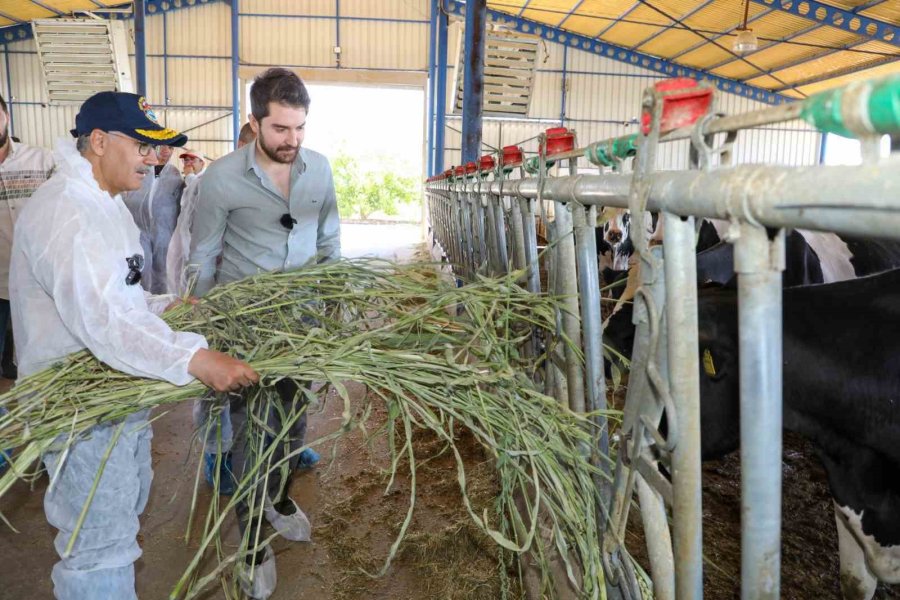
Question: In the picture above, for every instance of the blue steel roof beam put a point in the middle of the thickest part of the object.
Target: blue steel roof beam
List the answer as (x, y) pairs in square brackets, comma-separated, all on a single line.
[(728, 31), (832, 16), (624, 55), (570, 13), (687, 15)]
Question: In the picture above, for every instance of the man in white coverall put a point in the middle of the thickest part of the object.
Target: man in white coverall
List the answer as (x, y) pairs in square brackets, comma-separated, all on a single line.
[(155, 207), (76, 266), (180, 244)]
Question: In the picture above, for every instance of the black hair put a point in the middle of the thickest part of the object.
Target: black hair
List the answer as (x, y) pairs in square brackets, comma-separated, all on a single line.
[(277, 85)]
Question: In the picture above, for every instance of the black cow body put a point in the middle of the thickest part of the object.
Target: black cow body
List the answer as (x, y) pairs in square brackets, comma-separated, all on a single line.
[(844, 258), (842, 391), (802, 264)]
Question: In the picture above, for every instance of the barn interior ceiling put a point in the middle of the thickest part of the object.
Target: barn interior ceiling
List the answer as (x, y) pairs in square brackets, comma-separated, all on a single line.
[(803, 46)]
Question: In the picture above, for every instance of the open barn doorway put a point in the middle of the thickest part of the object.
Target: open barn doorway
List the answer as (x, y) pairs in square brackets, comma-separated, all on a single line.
[(373, 136)]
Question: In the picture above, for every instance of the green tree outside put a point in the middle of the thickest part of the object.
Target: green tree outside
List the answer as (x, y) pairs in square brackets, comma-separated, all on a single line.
[(363, 192)]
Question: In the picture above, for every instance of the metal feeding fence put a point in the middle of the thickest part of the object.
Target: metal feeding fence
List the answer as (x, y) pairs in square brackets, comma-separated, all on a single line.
[(485, 217)]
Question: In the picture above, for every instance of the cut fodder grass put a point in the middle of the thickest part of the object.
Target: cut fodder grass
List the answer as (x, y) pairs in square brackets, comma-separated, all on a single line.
[(436, 356)]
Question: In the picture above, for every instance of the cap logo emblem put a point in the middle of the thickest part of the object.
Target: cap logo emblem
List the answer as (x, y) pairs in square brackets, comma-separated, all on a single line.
[(147, 109)]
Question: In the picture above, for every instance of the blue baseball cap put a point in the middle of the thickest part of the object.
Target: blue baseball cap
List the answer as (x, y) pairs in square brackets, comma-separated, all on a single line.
[(127, 113)]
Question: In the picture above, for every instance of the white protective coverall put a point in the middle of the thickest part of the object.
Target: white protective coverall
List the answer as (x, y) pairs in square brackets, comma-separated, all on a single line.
[(155, 208), (68, 273), (180, 244)]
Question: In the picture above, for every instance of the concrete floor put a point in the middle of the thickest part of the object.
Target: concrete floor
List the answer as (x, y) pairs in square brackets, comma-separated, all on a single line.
[(306, 571)]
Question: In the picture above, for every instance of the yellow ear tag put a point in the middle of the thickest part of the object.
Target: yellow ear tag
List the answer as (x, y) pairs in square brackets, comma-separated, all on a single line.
[(708, 365)]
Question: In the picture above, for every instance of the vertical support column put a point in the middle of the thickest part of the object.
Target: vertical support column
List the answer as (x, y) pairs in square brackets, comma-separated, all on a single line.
[(432, 87), (235, 65), (759, 263), (337, 32), (473, 79), (684, 382), (140, 46), (440, 106)]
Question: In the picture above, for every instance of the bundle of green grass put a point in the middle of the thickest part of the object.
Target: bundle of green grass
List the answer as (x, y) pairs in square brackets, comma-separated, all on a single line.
[(439, 356)]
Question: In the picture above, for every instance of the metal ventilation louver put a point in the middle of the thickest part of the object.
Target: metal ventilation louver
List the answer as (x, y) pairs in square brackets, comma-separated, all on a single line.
[(80, 57), (509, 61)]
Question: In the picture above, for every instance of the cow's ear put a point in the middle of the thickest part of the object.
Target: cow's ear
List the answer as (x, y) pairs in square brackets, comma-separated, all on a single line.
[(713, 363)]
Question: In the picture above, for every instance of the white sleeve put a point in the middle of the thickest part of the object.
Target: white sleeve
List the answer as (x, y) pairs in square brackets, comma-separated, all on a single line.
[(157, 303), (180, 244), (108, 316)]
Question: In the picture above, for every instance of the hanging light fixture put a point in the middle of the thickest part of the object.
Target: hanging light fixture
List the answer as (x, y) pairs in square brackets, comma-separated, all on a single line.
[(746, 41)]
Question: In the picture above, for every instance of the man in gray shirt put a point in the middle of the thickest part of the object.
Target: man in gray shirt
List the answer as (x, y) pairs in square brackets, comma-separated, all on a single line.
[(268, 206)]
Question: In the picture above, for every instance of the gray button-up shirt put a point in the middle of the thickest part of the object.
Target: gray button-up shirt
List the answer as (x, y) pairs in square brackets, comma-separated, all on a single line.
[(239, 213)]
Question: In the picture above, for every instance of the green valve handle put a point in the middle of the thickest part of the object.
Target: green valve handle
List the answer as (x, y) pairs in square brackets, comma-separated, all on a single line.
[(533, 165), (609, 153), (860, 109)]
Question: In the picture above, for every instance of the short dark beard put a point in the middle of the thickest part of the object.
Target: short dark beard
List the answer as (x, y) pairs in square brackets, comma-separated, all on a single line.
[(4, 137), (272, 153)]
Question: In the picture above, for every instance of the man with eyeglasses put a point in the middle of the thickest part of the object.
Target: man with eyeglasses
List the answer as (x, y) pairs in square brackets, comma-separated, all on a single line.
[(268, 206), (155, 207), (75, 269)]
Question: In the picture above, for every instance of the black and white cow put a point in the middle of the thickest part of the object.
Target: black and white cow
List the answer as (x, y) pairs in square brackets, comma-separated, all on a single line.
[(841, 391), (810, 258), (615, 246)]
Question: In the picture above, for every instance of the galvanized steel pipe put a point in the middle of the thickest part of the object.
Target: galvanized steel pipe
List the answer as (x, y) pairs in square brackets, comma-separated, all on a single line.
[(851, 200), (759, 264), (684, 383)]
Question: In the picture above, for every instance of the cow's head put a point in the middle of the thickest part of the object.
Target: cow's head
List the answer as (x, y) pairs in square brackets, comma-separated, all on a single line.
[(616, 225), (719, 374)]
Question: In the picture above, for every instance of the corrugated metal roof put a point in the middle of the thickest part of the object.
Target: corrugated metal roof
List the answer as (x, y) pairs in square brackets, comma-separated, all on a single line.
[(804, 45)]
